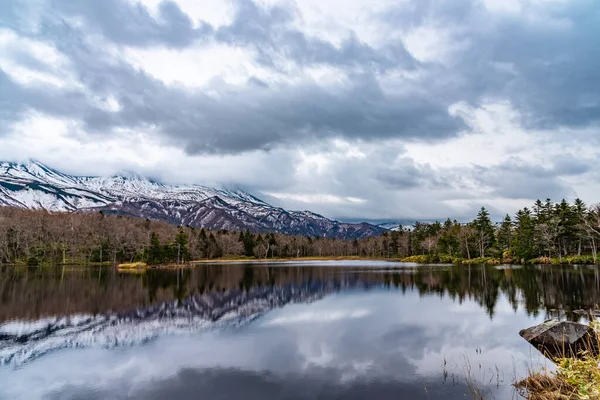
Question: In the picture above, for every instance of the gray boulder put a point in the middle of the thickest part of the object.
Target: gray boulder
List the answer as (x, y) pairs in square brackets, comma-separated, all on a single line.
[(556, 339)]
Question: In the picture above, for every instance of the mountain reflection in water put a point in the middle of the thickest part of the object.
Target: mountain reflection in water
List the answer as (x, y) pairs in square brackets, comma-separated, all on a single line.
[(336, 330)]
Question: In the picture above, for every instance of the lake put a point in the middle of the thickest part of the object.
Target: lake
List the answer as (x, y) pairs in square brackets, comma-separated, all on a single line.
[(296, 330)]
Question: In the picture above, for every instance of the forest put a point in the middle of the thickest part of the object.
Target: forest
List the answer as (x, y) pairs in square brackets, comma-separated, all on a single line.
[(548, 232)]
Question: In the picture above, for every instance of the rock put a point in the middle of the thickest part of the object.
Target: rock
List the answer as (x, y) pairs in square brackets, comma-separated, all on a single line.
[(556, 339), (581, 312)]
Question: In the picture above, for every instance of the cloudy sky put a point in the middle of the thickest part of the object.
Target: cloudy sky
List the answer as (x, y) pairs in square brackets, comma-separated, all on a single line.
[(374, 109)]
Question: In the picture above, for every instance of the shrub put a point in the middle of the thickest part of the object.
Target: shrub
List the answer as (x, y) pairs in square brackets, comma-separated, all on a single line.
[(580, 260), (541, 260), (446, 259), (483, 260), (33, 262), (419, 259)]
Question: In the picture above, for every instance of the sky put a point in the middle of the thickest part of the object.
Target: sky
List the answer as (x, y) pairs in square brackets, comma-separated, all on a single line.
[(356, 109)]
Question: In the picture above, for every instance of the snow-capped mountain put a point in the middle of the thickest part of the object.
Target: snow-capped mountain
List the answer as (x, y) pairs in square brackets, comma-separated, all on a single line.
[(34, 185)]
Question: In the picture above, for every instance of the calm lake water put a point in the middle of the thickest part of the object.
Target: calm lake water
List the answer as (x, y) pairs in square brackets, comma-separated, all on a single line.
[(308, 330)]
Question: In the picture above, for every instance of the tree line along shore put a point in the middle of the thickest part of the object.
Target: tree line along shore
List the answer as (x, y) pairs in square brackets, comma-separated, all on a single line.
[(546, 233)]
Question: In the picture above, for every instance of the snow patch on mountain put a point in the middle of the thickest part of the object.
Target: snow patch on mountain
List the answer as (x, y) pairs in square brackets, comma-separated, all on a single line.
[(34, 185)]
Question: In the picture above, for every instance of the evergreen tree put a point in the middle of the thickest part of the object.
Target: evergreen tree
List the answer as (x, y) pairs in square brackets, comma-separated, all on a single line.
[(248, 244), (505, 233), (580, 215), (567, 221), (155, 250), (393, 243), (523, 238), (484, 230), (203, 244), (448, 242), (181, 242), (272, 242)]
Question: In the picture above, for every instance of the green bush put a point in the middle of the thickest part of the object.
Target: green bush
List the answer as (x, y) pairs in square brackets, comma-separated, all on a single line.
[(33, 262), (570, 260), (446, 259), (581, 260)]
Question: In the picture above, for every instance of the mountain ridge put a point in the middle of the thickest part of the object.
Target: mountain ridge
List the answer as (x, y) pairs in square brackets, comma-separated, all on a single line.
[(34, 185)]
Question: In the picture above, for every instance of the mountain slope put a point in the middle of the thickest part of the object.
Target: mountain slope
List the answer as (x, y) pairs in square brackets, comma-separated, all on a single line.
[(34, 185)]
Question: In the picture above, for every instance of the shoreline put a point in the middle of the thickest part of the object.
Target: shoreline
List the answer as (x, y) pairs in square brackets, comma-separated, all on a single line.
[(292, 259)]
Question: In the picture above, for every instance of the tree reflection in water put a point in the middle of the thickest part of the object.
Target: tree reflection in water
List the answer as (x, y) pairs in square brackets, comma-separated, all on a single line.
[(554, 291)]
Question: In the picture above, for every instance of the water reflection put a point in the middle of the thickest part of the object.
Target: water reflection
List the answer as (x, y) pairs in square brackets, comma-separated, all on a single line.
[(346, 331), (31, 293)]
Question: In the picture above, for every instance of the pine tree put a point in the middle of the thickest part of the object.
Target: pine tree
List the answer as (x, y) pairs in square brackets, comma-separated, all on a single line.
[(155, 251), (448, 243), (580, 215), (484, 230), (203, 245), (181, 242), (523, 238), (248, 244), (505, 233)]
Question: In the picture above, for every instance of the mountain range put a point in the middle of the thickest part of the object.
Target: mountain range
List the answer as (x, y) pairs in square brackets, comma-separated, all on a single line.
[(34, 185)]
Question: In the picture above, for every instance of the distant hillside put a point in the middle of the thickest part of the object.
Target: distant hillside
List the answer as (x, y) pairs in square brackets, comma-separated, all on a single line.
[(34, 185)]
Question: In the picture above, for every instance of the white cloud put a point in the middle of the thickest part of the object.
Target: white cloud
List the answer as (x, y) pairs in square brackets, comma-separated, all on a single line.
[(197, 66), (495, 134), (433, 43), (341, 176), (57, 69), (317, 198), (321, 316)]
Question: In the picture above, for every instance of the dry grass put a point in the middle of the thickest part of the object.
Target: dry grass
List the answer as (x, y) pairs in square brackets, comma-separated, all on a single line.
[(135, 265), (475, 390), (574, 379)]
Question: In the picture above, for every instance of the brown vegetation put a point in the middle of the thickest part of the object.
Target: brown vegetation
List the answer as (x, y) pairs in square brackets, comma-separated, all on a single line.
[(549, 234), (575, 378)]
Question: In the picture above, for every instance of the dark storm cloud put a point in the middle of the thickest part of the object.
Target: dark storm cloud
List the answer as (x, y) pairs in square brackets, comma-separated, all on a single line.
[(545, 63), (268, 31), (240, 118), (406, 174), (546, 67), (130, 23), (404, 179), (15, 100), (568, 165)]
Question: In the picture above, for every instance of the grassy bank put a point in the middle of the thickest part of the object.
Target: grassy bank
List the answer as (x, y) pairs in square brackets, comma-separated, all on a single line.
[(417, 259), (277, 259), (574, 379)]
